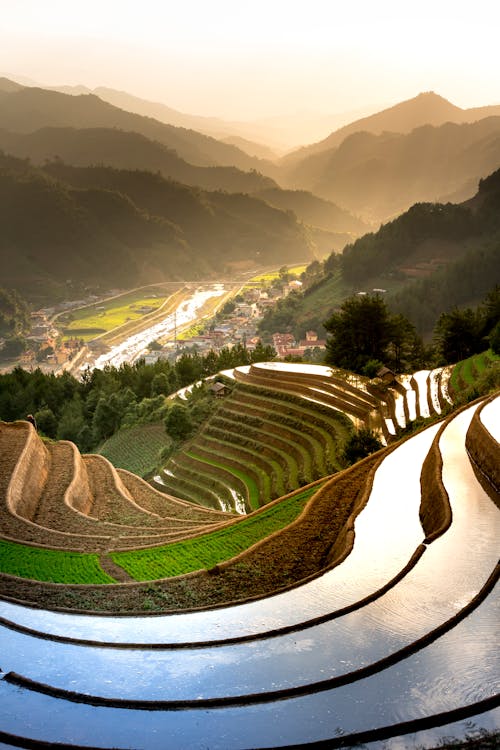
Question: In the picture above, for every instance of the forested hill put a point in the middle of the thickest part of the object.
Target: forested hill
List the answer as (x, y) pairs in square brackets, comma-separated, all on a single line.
[(431, 258), (379, 176), (110, 228), (313, 210), (126, 150), (428, 233)]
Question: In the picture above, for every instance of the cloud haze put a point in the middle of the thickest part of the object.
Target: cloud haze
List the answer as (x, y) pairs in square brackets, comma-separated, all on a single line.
[(248, 60)]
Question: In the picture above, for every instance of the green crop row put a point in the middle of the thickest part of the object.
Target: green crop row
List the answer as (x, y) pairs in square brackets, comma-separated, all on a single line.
[(56, 566), (210, 549), (467, 370)]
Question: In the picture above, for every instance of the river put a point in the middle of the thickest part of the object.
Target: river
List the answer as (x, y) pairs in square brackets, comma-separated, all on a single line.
[(136, 345)]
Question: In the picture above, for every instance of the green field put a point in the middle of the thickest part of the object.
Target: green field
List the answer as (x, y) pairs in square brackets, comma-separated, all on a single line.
[(208, 550), (136, 449), (103, 317), (51, 565)]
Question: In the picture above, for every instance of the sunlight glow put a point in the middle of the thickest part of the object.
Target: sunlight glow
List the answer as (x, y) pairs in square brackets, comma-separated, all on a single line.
[(249, 60)]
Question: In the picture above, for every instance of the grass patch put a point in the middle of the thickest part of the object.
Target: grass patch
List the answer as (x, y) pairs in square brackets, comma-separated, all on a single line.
[(210, 549), (55, 566), (136, 449)]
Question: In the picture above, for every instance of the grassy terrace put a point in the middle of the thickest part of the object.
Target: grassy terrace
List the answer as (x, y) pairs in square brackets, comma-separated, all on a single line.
[(468, 370), (210, 549), (187, 487), (293, 455), (208, 476), (153, 500), (288, 419), (59, 566), (276, 453), (49, 565), (245, 462), (292, 410), (258, 436)]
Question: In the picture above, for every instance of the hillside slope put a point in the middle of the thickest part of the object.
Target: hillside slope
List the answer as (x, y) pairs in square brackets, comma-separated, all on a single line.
[(25, 110), (378, 176), (427, 108), (124, 228), (125, 150), (430, 258)]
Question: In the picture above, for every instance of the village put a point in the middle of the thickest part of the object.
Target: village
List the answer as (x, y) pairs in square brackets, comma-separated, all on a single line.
[(238, 323), (235, 323)]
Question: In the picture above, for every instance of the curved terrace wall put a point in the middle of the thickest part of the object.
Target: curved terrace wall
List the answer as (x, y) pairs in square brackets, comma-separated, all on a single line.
[(484, 452), (28, 477)]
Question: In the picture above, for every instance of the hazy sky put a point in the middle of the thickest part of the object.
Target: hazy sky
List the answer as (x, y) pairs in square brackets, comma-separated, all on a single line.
[(245, 59)]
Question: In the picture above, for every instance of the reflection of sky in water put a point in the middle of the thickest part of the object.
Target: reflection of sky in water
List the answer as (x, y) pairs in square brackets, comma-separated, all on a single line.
[(473, 727), (490, 417), (411, 396), (387, 532), (434, 382), (419, 603), (460, 668), (441, 677), (399, 409), (135, 345)]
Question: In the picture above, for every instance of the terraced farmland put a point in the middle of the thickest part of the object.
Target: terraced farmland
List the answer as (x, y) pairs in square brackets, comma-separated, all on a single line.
[(383, 578), (257, 437)]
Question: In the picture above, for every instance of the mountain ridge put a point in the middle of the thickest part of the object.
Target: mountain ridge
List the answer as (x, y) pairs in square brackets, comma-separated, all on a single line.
[(379, 176), (125, 150), (427, 108), (26, 109)]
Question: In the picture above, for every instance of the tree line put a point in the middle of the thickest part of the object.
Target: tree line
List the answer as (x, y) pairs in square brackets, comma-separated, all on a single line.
[(90, 410), (365, 335)]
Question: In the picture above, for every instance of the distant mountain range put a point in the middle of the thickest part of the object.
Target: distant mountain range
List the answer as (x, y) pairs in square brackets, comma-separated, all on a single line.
[(125, 150), (425, 109), (98, 169), (24, 110), (379, 176), (275, 134)]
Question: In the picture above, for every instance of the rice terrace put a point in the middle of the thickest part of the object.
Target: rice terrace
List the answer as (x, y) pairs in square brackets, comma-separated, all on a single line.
[(125, 604), (249, 375)]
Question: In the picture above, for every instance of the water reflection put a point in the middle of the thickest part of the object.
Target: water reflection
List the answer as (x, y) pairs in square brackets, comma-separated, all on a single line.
[(490, 417), (387, 532), (458, 669), (420, 602), (441, 677)]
